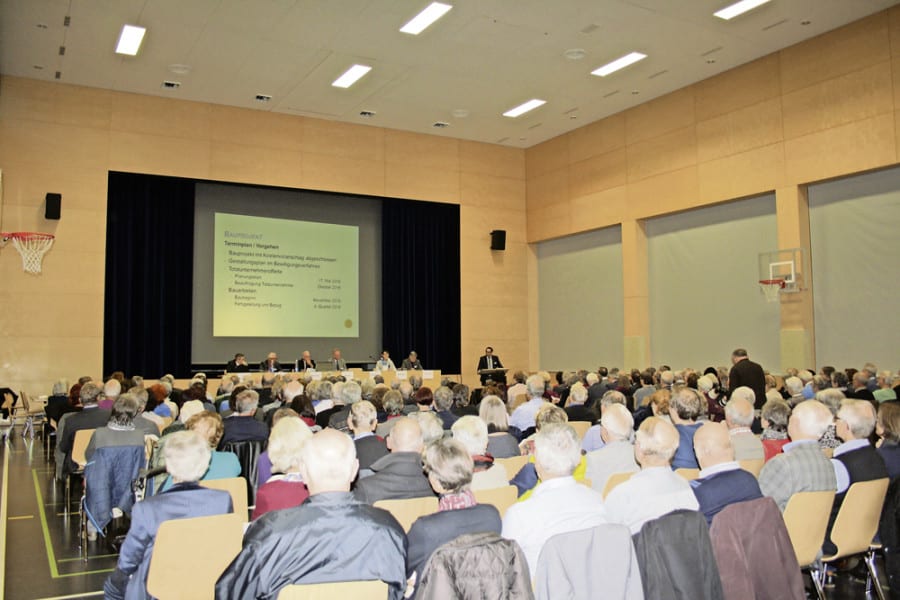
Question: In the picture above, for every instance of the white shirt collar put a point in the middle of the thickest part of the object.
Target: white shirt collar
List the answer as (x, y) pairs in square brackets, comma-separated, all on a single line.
[(850, 446)]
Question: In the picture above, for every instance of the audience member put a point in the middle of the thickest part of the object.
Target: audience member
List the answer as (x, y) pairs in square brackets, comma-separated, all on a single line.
[(794, 388), (559, 504), (884, 392), (593, 440), (722, 481), (424, 398), (738, 418), (746, 372), (888, 429), (617, 453), (285, 488), (774, 418), (399, 474), (860, 385), (523, 417), (576, 408), (186, 456), (90, 417), (430, 424), (684, 409), (111, 390), (443, 405), (330, 537), (647, 388), (801, 467), (362, 422), (832, 399), (854, 460), (518, 388), (449, 467), (656, 490), (501, 442), (472, 433), (141, 421), (241, 426), (707, 385)]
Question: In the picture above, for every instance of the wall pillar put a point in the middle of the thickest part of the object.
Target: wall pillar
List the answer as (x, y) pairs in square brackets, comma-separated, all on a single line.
[(635, 277), (798, 342)]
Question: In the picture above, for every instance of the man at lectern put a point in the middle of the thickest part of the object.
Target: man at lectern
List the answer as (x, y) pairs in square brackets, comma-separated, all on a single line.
[(271, 363), (306, 362), (337, 363), (412, 362), (238, 364), (490, 361)]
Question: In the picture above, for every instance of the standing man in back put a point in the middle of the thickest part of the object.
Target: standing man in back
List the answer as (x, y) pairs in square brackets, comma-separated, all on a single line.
[(748, 373)]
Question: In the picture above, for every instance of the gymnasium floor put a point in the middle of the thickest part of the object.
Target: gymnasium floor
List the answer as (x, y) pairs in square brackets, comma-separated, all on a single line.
[(41, 560)]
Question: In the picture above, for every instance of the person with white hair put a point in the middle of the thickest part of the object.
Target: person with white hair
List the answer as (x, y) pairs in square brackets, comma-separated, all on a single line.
[(884, 391), (794, 387), (112, 389), (617, 453), (285, 488), (362, 422), (685, 407), (443, 405), (860, 387), (738, 419), (855, 460), (350, 393), (707, 386), (559, 504), (472, 433), (430, 424), (656, 490), (801, 467), (576, 405), (330, 537), (722, 481), (523, 417), (242, 426), (187, 457)]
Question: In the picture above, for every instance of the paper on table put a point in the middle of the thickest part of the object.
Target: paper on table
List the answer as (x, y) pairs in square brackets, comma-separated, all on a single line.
[(427, 374), (401, 374)]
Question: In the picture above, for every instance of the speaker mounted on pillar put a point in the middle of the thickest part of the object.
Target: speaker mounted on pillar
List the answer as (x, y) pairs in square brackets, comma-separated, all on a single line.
[(53, 206), (498, 239)]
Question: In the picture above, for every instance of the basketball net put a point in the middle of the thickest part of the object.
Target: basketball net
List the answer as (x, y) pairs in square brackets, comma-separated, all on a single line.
[(770, 288), (32, 247)]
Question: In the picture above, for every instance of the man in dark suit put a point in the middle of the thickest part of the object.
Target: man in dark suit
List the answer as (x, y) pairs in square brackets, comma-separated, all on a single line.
[(748, 373), (306, 362), (412, 362), (91, 417), (490, 361), (399, 474), (271, 363), (242, 426), (859, 389), (337, 362), (238, 365)]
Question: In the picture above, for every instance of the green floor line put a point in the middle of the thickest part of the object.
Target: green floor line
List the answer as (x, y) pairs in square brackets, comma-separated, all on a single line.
[(90, 556), (51, 558)]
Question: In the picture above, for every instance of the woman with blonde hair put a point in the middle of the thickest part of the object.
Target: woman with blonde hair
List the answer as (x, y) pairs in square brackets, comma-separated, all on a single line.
[(501, 442), (285, 488)]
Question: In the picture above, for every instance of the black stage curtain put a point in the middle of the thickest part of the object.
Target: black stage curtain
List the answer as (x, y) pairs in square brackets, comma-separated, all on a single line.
[(420, 282), (149, 268)]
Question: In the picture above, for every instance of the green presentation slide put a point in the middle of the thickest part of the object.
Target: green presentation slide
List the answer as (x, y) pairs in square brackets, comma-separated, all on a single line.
[(284, 278)]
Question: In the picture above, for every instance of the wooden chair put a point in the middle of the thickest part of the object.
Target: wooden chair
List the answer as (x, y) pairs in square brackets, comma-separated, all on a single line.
[(358, 590), (408, 510), (502, 497), (79, 447), (856, 525), (581, 427), (614, 480), (688, 474), (175, 571), (512, 465), (806, 519), (753, 465), (237, 487)]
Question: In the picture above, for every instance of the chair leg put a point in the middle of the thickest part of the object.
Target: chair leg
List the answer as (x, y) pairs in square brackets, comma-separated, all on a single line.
[(83, 533), (817, 576), (872, 579)]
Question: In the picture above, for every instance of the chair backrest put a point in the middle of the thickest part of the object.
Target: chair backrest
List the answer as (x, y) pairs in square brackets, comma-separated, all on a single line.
[(24, 398), (190, 554), (688, 474), (359, 590), (614, 480), (806, 519), (512, 464), (754, 465), (581, 427), (406, 511), (828, 452), (502, 498), (248, 452), (237, 487), (79, 446), (857, 521)]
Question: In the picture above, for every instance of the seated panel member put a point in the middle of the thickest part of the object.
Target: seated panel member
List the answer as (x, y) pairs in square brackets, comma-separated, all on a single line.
[(306, 362), (238, 364), (412, 362), (337, 363), (385, 363), (271, 363)]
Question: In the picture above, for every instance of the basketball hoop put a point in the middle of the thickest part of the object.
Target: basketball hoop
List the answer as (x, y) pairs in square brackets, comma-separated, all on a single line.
[(32, 247), (770, 288)]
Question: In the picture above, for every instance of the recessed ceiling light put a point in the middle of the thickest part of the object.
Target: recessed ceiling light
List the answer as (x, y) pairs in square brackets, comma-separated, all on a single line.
[(524, 108), (421, 21), (130, 40), (618, 64), (460, 113), (738, 8), (180, 69), (574, 53), (351, 76)]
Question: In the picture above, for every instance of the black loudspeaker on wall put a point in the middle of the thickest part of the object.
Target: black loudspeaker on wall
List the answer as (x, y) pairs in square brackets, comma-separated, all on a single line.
[(53, 206), (498, 239)]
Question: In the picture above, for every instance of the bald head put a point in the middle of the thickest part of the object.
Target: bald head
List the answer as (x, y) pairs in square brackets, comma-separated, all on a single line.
[(712, 445), (617, 424), (656, 442), (406, 436), (809, 420), (328, 462)]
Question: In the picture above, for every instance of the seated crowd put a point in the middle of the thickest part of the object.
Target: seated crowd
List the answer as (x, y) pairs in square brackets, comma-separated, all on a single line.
[(318, 454)]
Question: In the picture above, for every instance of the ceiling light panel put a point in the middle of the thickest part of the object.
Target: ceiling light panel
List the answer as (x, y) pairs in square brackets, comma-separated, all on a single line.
[(351, 76), (523, 108), (619, 64), (738, 8), (424, 19), (130, 40)]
